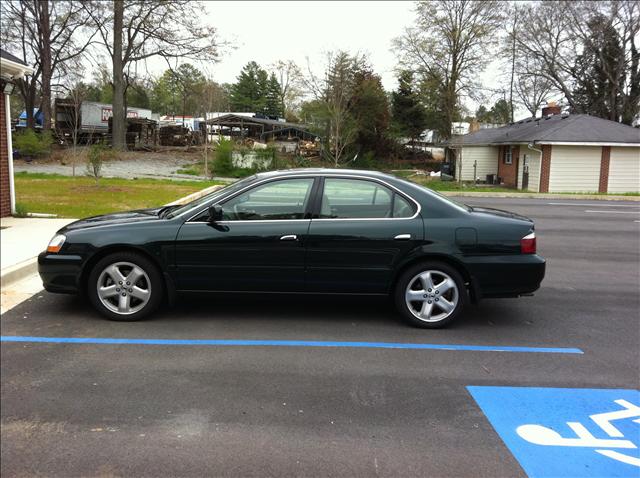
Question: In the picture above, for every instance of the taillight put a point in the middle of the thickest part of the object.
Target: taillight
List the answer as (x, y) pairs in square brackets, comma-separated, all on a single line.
[(528, 244)]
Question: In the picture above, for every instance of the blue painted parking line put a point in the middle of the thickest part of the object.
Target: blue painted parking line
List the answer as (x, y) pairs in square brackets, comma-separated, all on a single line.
[(289, 343), (566, 432)]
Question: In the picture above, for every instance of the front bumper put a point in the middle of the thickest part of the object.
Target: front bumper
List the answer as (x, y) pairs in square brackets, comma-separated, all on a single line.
[(60, 273), (506, 276)]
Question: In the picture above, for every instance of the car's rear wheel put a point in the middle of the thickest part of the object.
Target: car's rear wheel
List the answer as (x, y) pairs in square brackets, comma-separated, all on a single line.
[(430, 295), (125, 286)]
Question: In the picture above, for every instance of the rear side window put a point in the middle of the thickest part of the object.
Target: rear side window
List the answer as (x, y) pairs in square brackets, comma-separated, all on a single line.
[(361, 199)]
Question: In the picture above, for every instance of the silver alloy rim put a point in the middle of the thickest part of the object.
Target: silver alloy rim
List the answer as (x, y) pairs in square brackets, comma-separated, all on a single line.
[(431, 296), (124, 288)]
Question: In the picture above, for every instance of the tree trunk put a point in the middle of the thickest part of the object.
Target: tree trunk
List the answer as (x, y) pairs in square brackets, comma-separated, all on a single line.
[(118, 129), (513, 61), (45, 34), (29, 103)]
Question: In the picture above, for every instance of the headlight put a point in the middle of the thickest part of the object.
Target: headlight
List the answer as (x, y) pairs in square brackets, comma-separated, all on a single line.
[(55, 244)]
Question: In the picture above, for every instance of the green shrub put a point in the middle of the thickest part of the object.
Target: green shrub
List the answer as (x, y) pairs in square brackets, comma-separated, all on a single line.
[(365, 160), (223, 162), (32, 144), (98, 154), (21, 210)]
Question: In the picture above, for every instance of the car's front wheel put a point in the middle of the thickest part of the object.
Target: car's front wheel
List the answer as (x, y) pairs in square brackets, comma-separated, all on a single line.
[(125, 286), (430, 295)]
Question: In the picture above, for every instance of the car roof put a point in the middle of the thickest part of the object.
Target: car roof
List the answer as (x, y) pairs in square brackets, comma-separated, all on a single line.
[(321, 171)]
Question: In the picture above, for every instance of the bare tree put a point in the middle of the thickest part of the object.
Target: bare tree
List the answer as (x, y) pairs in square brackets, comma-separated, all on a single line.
[(609, 32), (549, 44), (450, 41), (558, 33), (50, 36), (289, 76), (135, 30), (333, 90), (532, 90)]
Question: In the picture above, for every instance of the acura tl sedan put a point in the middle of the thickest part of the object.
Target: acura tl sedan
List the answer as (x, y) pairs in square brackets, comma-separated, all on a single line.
[(311, 231)]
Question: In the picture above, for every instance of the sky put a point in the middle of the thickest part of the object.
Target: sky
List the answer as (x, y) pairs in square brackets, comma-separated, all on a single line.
[(268, 31)]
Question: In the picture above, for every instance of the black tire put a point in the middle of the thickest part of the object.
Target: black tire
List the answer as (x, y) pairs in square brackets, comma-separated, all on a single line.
[(153, 276), (410, 274)]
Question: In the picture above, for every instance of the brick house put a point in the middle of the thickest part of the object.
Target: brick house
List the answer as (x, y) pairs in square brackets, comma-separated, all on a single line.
[(11, 69), (554, 153)]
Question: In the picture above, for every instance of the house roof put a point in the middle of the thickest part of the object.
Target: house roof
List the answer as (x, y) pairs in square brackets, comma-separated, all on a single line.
[(232, 118), (555, 129), (8, 56)]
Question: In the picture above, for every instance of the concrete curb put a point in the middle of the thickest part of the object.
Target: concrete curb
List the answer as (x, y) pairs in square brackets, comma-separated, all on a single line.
[(19, 271), (584, 197), (196, 195)]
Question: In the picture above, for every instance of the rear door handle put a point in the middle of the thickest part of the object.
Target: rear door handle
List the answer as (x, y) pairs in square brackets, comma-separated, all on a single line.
[(289, 237), (402, 237)]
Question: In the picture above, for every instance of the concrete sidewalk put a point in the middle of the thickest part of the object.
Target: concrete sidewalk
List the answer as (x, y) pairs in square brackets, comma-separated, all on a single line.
[(527, 195), (22, 240)]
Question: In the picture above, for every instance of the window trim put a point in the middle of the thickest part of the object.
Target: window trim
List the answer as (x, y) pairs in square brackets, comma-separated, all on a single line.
[(510, 155), (319, 186), (308, 206)]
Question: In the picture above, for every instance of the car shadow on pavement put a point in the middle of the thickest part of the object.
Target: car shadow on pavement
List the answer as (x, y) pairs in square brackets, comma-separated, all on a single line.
[(48, 313)]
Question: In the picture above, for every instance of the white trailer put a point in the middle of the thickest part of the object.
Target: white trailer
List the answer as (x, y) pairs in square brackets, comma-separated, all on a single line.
[(94, 117)]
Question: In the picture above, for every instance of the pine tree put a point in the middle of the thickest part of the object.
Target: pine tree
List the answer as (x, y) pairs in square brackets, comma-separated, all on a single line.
[(249, 92), (273, 98), (409, 115)]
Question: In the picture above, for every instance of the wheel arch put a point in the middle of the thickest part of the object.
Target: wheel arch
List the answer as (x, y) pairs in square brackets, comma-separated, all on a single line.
[(116, 248), (472, 284)]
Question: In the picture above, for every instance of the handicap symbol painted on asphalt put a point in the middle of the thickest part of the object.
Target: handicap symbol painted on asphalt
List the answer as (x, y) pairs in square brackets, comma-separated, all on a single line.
[(562, 432)]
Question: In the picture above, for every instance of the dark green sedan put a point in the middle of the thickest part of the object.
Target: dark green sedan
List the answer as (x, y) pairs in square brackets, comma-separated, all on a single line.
[(312, 231)]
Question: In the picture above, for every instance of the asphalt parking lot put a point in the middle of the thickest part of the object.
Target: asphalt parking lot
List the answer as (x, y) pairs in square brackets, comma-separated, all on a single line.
[(279, 409)]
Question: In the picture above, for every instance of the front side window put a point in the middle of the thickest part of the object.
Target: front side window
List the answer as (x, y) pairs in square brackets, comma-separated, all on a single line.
[(276, 200), (361, 199)]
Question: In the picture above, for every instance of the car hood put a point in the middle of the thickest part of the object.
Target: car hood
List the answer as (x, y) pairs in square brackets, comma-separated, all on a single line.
[(126, 217), (499, 213)]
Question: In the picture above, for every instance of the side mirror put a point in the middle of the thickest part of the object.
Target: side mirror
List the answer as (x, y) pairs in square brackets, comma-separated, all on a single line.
[(215, 213)]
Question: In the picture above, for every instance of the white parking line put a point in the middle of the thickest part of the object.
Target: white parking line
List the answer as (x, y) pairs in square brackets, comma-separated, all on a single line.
[(593, 205), (614, 212)]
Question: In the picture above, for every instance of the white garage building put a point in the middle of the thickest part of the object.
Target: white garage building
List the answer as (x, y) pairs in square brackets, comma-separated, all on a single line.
[(555, 153)]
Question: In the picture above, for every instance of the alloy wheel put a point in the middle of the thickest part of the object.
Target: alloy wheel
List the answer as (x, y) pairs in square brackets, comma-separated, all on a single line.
[(124, 288), (431, 296)]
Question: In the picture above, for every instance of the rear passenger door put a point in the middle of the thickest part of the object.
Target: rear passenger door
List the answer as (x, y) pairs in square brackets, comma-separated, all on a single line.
[(361, 229)]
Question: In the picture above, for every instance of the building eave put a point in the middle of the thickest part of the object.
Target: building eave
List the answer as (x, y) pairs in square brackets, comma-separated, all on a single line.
[(11, 70), (595, 143)]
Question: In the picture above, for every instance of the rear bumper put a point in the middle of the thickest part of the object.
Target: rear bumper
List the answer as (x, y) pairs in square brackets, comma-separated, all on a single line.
[(60, 273), (506, 276)]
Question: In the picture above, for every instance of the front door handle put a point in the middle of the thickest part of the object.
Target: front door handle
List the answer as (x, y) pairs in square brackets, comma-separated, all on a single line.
[(289, 237), (402, 237)]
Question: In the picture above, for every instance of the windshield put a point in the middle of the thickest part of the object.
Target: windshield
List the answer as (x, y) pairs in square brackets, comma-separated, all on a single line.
[(204, 199)]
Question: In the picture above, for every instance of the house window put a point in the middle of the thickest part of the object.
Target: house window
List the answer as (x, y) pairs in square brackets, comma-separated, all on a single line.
[(507, 156)]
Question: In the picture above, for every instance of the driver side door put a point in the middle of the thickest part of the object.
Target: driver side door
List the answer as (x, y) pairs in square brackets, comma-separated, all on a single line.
[(258, 246)]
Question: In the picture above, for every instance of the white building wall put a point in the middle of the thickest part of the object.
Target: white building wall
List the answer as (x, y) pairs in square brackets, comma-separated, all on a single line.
[(575, 168), (624, 170), (486, 158)]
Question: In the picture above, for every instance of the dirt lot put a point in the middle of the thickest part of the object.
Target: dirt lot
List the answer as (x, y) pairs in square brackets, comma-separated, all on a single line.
[(162, 164)]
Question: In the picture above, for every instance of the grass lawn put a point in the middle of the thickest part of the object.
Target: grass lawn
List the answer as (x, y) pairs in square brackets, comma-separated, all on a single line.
[(80, 196), (437, 185)]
